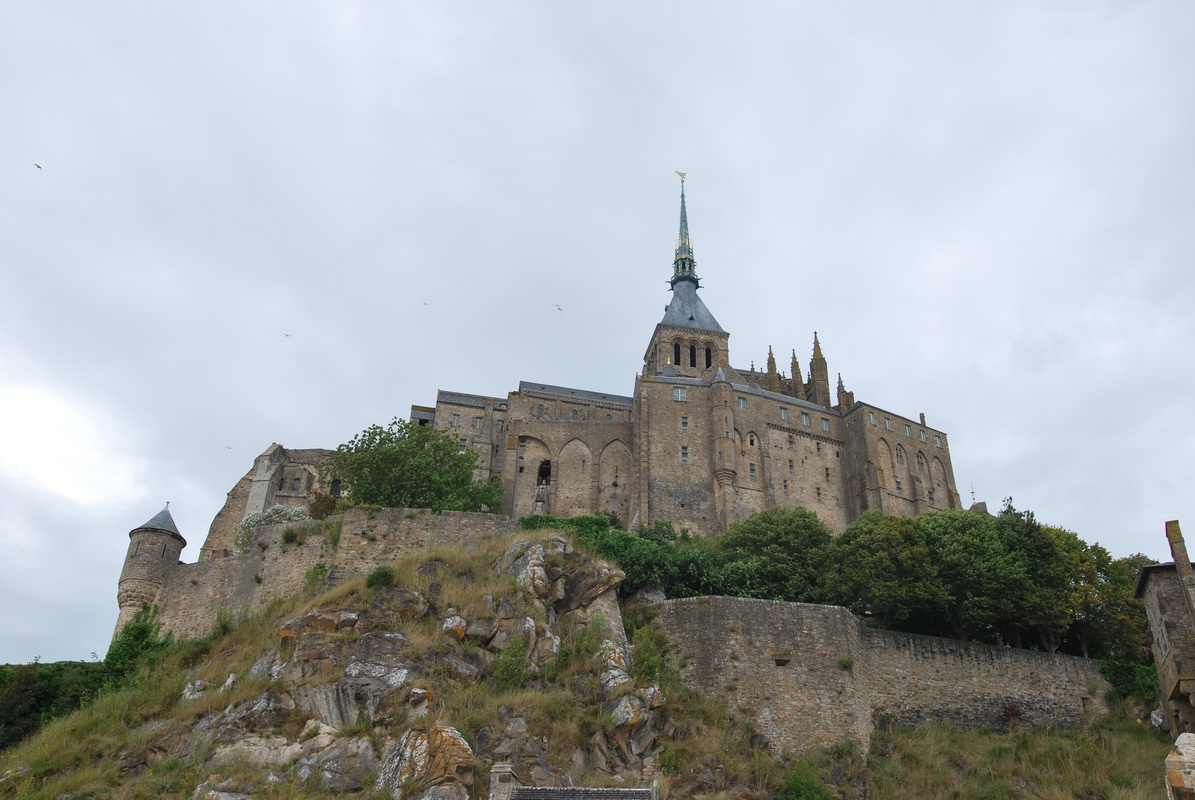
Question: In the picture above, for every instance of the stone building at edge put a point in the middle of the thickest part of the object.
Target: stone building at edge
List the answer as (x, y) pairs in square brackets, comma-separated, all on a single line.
[(697, 442)]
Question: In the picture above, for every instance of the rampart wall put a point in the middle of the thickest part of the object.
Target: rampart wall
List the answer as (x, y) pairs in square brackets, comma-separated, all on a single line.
[(193, 594), (814, 675)]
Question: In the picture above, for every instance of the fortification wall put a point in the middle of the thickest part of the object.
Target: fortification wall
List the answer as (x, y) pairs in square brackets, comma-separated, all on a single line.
[(782, 664), (812, 675), (193, 594), (919, 678)]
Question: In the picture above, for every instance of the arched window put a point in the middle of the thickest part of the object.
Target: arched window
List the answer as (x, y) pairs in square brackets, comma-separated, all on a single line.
[(676, 353), (609, 418), (334, 490), (900, 455), (294, 484), (692, 355), (576, 415), (709, 357), (544, 478), (539, 410)]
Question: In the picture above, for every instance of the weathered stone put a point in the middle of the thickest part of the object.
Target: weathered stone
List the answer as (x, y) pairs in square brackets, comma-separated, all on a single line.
[(480, 630), (401, 602), (342, 767), (626, 711), (419, 704), (379, 659), (523, 627), (653, 696), (547, 645), (587, 586), (262, 666), (460, 667), (266, 712), (428, 758), (456, 627), (195, 690), (334, 704)]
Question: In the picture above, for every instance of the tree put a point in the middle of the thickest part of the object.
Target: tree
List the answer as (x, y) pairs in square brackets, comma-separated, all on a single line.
[(413, 466), (880, 567), (789, 545), (975, 572)]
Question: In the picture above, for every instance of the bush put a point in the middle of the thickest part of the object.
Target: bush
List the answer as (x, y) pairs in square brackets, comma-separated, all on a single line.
[(291, 536), (511, 668), (137, 644), (802, 784), (380, 578), (314, 577), (1131, 680)]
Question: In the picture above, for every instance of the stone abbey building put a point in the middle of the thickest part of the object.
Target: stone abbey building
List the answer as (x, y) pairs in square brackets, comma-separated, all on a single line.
[(699, 442)]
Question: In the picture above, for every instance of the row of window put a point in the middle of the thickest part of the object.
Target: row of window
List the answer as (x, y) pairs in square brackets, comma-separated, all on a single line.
[(676, 355), (871, 417)]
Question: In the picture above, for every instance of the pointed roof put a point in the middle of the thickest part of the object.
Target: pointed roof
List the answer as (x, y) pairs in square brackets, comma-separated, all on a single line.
[(684, 266), (686, 309), (162, 521)]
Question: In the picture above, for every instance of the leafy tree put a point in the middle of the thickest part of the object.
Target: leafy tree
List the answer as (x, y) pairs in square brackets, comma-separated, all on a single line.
[(789, 545), (974, 570), (20, 705), (880, 567), (1043, 602), (413, 466)]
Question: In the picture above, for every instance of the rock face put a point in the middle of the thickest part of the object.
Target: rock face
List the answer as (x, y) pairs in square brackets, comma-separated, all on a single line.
[(350, 698)]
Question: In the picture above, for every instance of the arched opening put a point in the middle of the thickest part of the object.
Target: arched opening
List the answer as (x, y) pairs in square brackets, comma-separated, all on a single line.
[(334, 489), (709, 357), (676, 353), (692, 355), (544, 477)]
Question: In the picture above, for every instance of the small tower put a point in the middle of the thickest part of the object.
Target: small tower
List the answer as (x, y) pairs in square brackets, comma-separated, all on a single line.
[(773, 376), (846, 400), (154, 549)]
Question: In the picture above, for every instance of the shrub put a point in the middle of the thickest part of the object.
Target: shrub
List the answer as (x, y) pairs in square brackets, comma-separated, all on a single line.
[(380, 578), (1131, 680), (314, 577), (511, 668), (802, 784), (291, 536)]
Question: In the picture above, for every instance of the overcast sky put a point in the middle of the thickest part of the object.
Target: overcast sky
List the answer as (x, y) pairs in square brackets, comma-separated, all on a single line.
[(264, 222)]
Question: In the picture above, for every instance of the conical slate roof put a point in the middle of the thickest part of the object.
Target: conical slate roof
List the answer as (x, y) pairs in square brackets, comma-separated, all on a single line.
[(687, 311), (162, 521)]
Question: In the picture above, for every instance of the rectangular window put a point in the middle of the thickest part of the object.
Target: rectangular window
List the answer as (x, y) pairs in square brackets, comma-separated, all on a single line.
[(751, 469), (923, 436), (938, 441), (477, 423), (898, 487), (790, 466), (827, 473), (819, 494), (684, 424), (909, 431), (804, 418), (742, 404), (679, 394), (871, 417), (464, 445), (783, 412), (456, 421), (786, 487), (684, 455), (825, 424), (887, 424), (499, 424)]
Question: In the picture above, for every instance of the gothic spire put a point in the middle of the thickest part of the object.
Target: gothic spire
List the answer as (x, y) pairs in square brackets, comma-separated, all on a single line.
[(684, 266)]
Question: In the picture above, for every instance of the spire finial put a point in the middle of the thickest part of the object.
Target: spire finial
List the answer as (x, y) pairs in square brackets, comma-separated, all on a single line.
[(684, 266)]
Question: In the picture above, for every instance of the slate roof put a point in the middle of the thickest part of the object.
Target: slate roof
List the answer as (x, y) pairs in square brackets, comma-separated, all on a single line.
[(162, 521), (575, 793), (688, 311), (528, 386)]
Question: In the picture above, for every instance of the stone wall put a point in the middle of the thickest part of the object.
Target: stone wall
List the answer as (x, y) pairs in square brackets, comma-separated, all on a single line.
[(193, 594), (814, 675)]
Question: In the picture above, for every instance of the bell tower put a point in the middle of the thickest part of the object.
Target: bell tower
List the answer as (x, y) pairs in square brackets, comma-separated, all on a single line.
[(688, 341)]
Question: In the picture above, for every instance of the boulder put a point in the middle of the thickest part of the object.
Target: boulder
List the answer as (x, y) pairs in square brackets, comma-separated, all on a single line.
[(342, 767), (434, 757)]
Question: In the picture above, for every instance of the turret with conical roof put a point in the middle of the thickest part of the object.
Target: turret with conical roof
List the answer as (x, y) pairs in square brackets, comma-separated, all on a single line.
[(154, 549)]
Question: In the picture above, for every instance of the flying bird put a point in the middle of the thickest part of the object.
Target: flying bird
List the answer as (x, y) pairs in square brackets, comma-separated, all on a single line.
[(37, 165), (287, 335), (558, 308), (226, 447)]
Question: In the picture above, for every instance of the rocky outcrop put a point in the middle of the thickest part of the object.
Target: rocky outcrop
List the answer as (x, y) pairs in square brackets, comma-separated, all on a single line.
[(345, 701)]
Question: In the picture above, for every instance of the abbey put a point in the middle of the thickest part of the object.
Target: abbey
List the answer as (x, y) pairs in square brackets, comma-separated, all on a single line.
[(698, 442)]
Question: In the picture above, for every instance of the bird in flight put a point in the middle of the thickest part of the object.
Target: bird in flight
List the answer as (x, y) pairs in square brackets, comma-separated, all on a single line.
[(287, 335), (558, 308), (37, 165)]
